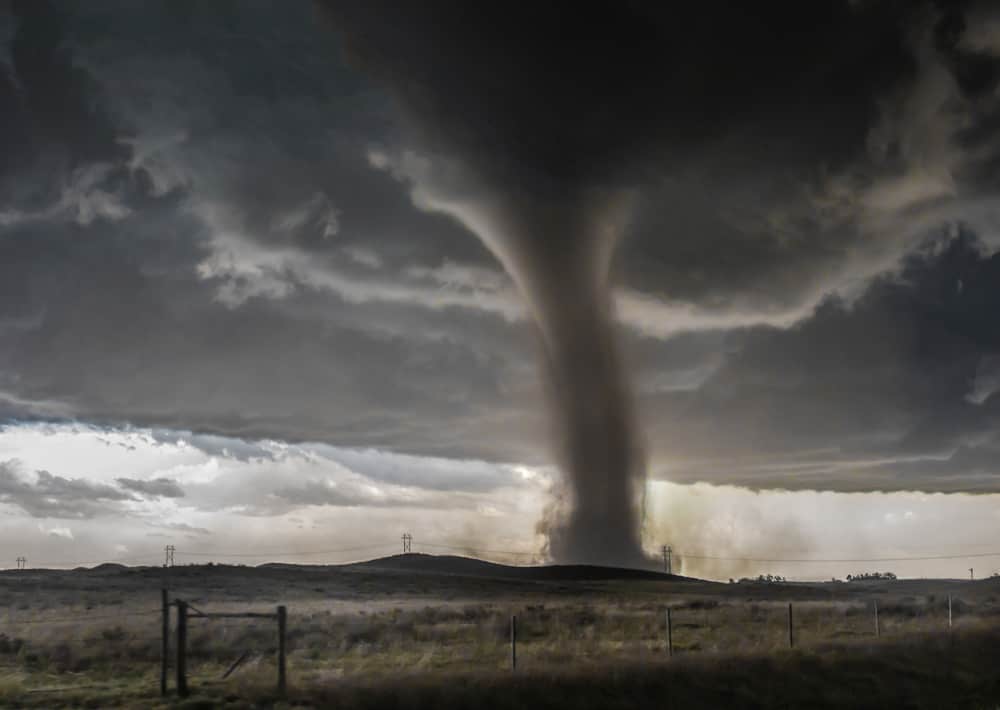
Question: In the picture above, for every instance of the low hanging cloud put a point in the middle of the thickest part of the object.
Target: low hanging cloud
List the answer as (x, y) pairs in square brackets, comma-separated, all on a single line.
[(346, 494), (63, 532), (426, 473), (191, 531), (51, 496), (152, 488), (309, 475)]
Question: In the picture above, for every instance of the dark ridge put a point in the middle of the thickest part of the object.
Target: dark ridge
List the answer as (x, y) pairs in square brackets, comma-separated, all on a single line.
[(471, 567), (104, 567)]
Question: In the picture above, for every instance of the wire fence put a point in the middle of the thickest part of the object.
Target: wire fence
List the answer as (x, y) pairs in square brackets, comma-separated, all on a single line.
[(54, 643), (225, 640)]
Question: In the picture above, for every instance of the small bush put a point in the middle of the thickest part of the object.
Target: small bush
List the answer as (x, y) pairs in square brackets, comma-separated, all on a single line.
[(10, 645), (116, 633)]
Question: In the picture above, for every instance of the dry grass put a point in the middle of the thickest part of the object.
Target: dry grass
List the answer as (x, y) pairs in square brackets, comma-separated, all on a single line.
[(583, 646)]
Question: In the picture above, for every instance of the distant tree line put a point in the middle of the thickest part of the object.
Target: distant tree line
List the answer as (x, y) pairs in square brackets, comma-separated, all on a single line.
[(777, 578), (863, 576), (762, 579)]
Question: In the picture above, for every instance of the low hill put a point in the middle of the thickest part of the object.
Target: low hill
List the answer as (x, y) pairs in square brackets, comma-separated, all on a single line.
[(419, 563)]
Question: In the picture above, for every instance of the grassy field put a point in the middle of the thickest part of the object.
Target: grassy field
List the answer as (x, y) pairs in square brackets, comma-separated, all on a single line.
[(413, 633)]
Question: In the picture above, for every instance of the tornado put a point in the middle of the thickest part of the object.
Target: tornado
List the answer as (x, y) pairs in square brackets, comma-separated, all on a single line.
[(557, 245), (534, 124), (516, 127), (596, 437), (559, 253)]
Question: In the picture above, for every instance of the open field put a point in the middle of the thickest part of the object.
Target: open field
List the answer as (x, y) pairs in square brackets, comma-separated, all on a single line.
[(419, 631)]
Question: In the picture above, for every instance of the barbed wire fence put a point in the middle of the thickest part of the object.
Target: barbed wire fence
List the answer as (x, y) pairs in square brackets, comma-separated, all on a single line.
[(683, 627)]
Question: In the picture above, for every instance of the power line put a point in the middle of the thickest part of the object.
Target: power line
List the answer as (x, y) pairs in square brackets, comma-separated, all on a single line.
[(831, 560), (466, 548), (957, 556), (752, 559), (293, 553), (520, 553), (78, 563)]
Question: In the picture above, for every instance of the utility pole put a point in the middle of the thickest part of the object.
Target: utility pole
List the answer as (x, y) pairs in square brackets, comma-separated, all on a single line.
[(667, 561), (168, 556), (22, 562), (407, 543)]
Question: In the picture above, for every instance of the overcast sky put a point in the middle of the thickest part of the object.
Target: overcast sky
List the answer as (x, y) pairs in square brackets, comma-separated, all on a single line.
[(232, 318)]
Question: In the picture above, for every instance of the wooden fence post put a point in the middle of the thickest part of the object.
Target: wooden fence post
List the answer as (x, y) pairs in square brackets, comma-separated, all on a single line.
[(182, 610), (791, 632), (878, 631), (670, 634), (164, 642), (513, 642), (282, 627)]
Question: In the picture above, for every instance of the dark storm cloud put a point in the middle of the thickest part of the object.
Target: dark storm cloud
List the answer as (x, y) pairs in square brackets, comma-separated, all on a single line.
[(51, 496), (48, 108), (887, 392), (153, 488), (203, 319), (195, 232), (567, 92), (827, 187), (734, 126)]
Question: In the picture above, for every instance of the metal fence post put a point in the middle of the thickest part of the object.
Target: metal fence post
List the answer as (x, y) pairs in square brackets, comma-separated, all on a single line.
[(513, 642), (791, 632), (282, 627), (670, 634), (164, 642), (182, 610)]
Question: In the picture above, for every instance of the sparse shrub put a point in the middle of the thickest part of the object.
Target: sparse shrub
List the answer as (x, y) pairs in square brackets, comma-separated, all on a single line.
[(60, 657), (10, 645), (703, 604), (116, 633)]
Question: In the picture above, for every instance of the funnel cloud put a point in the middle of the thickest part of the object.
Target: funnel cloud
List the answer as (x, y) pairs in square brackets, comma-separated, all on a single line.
[(532, 124), (558, 250), (560, 255)]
